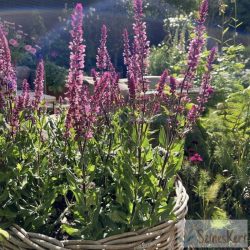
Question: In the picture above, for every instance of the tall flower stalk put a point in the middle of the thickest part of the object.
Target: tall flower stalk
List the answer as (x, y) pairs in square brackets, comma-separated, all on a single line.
[(102, 58), (111, 96), (21, 103), (75, 76), (140, 45), (39, 85), (7, 77), (205, 91), (136, 58), (7, 73), (195, 48), (26, 94)]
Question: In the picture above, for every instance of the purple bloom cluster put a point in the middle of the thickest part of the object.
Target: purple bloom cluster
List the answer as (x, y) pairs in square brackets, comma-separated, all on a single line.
[(172, 84), (136, 58), (75, 76), (102, 58), (126, 52), (162, 82), (85, 109), (39, 85), (26, 94), (7, 74), (110, 96), (193, 114), (21, 102), (206, 88), (80, 114), (195, 47), (205, 91)]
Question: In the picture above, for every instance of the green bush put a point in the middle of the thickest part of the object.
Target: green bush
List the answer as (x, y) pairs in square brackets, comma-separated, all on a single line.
[(55, 77)]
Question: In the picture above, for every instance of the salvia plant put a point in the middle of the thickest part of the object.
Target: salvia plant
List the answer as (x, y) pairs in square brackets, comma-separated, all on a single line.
[(105, 164)]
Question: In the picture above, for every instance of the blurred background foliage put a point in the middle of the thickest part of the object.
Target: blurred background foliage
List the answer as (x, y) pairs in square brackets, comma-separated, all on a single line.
[(48, 23)]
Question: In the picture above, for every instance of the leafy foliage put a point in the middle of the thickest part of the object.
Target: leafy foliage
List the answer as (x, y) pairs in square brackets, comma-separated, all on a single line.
[(229, 73), (171, 53), (224, 177), (55, 77)]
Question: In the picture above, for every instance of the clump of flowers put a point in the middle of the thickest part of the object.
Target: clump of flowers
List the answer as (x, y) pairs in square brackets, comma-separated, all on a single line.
[(77, 93), (39, 85), (196, 158)]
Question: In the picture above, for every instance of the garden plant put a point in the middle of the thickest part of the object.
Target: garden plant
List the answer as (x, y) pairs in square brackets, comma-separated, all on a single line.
[(100, 166)]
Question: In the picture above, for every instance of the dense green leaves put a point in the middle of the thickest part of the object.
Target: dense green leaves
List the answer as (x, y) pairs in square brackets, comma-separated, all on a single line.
[(121, 182)]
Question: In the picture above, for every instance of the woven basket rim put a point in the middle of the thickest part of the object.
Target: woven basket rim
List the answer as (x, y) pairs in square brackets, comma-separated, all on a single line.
[(162, 234)]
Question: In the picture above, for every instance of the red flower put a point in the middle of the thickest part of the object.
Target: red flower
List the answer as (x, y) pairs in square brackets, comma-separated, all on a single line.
[(196, 158)]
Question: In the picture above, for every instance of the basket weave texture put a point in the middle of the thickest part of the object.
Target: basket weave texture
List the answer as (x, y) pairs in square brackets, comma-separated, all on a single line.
[(167, 235)]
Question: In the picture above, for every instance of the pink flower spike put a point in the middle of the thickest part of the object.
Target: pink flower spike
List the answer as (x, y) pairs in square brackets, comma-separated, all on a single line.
[(193, 114), (203, 11), (102, 53), (126, 52), (140, 47), (39, 84), (80, 114), (26, 94), (195, 47), (7, 72), (138, 8), (131, 87), (162, 82), (206, 89), (173, 84)]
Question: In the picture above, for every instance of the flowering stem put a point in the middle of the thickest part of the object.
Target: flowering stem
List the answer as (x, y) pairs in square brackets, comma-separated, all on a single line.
[(82, 147)]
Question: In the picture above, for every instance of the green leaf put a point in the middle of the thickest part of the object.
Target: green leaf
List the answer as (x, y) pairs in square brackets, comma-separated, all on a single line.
[(225, 31), (4, 235), (70, 230), (91, 168), (118, 216), (19, 167), (7, 213), (162, 137)]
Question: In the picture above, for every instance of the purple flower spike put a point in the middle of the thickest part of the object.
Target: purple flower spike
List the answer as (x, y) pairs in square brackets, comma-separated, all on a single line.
[(126, 52), (26, 94), (39, 84), (80, 115), (203, 12), (162, 82), (6, 70), (195, 47), (206, 89), (141, 43), (102, 54), (75, 76), (131, 87), (193, 114), (172, 84), (136, 58)]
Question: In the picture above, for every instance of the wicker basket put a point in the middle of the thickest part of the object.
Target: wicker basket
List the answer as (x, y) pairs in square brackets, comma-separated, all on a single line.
[(167, 235)]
